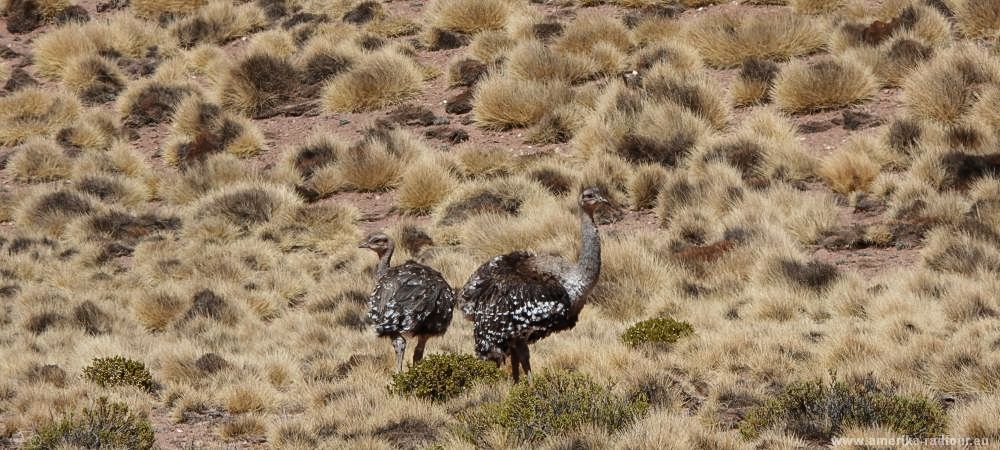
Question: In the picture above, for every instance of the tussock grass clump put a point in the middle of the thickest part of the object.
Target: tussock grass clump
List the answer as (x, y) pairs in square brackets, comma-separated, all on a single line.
[(893, 21), (815, 275), (468, 16), (555, 402), (654, 142), (35, 111), (491, 46), (424, 184), (819, 411), (382, 79), (38, 160), (50, 211), (106, 425), (945, 89), (825, 83), (661, 330), (119, 36), (258, 84), (218, 23), (202, 129), (960, 253), (816, 6), (978, 18), (897, 58), (502, 102), (113, 189), (119, 371), (502, 196), (755, 81), (677, 56), (444, 376), (591, 31), (245, 206), (322, 59), (645, 185), (698, 94), (849, 171), (534, 61), (155, 9), (94, 79), (147, 103), (725, 40)]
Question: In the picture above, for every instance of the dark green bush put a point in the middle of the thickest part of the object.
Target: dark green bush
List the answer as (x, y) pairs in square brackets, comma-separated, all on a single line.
[(661, 330), (108, 425), (119, 371), (818, 411), (554, 402), (443, 376)]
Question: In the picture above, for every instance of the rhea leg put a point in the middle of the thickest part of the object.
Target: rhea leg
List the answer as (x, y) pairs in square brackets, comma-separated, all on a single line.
[(418, 351), (399, 343), (525, 361), (515, 358)]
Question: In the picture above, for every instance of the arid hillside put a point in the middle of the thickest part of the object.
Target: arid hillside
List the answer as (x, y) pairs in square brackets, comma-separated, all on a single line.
[(803, 243)]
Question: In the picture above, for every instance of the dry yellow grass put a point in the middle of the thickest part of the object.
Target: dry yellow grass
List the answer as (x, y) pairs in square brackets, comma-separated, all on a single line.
[(239, 285), (977, 18), (424, 184), (534, 61), (848, 171), (821, 84), (154, 9), (468, 16), (38, 160), (218, 22), (35, 111), (816, 6), (502, 102), (725, 40), (945, 89), (381, 80)]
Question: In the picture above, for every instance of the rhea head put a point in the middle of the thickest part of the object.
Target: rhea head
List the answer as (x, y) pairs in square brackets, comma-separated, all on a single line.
[(378, 242), (591, 199)]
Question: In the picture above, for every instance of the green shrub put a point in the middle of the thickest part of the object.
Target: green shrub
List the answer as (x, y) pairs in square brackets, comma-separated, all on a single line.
[(817, 411), (661, 330), (108, 425), (444, 376), (119, 371), (554, 402)]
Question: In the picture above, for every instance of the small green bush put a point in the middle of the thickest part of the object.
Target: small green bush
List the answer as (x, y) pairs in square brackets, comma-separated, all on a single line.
[(119, 371), (817, 411), (108, 425), (554, 402), (661, 330), (443, 376)]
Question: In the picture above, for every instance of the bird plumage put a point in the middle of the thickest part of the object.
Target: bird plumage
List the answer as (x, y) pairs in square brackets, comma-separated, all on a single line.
[(411, 299), (514, 297), (518, 298)]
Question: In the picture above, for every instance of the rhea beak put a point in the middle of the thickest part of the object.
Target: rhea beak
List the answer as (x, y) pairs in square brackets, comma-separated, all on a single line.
[(364, 245)]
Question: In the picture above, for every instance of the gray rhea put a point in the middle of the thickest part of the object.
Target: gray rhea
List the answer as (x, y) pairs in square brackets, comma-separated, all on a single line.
[(409, 300), (519, 298)]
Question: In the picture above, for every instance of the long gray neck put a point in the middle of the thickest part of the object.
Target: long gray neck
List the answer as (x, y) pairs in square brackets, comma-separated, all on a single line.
[(383, 263), (589, 264)]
